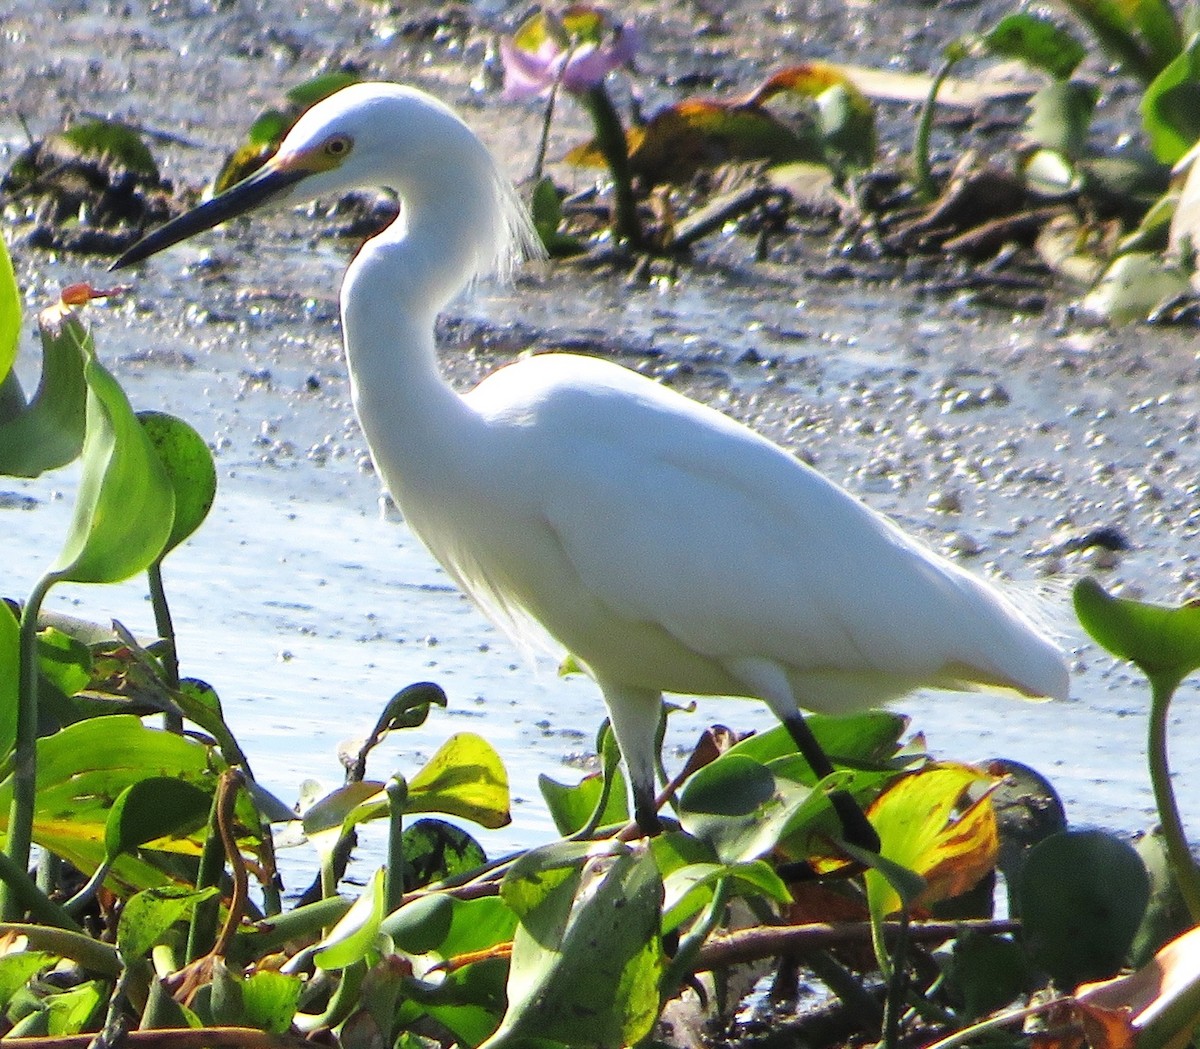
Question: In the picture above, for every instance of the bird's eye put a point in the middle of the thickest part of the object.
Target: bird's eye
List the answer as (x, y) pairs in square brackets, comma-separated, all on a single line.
[(337, 146)]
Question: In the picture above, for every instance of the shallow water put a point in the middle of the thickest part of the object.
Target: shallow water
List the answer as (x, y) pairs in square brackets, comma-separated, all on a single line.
[(306, 607)]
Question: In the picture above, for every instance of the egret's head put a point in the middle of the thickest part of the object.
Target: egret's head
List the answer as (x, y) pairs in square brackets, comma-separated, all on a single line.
[(367, 135)]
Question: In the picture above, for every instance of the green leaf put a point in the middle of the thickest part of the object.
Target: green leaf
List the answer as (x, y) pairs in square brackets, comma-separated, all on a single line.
[(572, 806), (1133, 286), (153, 808), (270, 1000), (320, 87), (1037, 41), (587, 960), (75, 1010), (733, 805), (64, 661), (125, 506), (1083, 894), (17, 968), (1136, 33), (190, 469), (117, 143), (354, 936), (465, 778), (537, 873), (871, 737), (986, 973), (546, 209), (435, 850), (272, 125), (688, 890), (148, 915), (10, 678), (10, 313), (83, 768), (1171, 106), (48, 432), (1060, 116), (422, 925), (1161, 641)]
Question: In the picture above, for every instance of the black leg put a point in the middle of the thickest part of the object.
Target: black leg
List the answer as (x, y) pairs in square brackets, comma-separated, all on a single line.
[(645, 814), (855, 825)]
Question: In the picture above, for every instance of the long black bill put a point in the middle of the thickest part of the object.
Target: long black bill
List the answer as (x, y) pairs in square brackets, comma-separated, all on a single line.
[(252, 192)]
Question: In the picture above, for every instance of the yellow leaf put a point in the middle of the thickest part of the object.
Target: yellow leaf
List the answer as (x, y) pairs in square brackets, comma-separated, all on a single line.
[(921, 829)]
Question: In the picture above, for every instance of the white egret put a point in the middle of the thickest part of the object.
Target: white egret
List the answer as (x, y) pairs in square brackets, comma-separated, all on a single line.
[(664, 545)]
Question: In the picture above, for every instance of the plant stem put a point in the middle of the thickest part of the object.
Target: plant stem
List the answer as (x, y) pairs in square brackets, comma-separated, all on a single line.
[(165, 630), (610, 137), (397, 793), (24, 796), (1179, 856), (922, 175)]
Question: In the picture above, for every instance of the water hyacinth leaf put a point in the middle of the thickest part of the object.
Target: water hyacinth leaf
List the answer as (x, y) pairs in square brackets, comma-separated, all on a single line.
[(1166, 911), (1083, 895), (269, 999), (75, 1010), (63, 660), (986, 973), (921, 829), (10, 314), (10, 678), (190, 468), (546, 208), (1060, 116), (354, 936), (435, 850), (48, 432), (1161, 641), (730, 804), (465, 778), (1171, 106), (688, 890), (116, 143), (1143, 35), (334, 810), (586, 962), (422, 925), (270, 127), (1133, 286), (572, 806), (154, 808), (83, 768), (475, 925), (868, 738), (125, 505), (17, 968), (1036, 40), (538, 872), (149, 914)]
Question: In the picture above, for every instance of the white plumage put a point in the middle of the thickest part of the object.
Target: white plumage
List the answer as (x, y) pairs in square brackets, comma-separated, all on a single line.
[(666, 546)]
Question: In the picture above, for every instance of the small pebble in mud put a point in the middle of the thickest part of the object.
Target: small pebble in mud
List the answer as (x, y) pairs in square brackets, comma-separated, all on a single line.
[(960, 544), (945, 501)]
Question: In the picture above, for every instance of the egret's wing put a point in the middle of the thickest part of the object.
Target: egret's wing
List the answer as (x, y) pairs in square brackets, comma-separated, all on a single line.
[(673, 515)]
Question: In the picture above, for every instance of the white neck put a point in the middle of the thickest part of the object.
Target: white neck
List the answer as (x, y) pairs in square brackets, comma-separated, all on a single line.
[(391, 296)]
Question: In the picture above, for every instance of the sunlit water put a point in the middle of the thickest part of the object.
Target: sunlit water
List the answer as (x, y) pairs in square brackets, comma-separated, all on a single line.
[(306, 607)]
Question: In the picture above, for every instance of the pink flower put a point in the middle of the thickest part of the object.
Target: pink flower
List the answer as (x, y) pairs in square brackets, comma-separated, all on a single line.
[(578, 67)]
